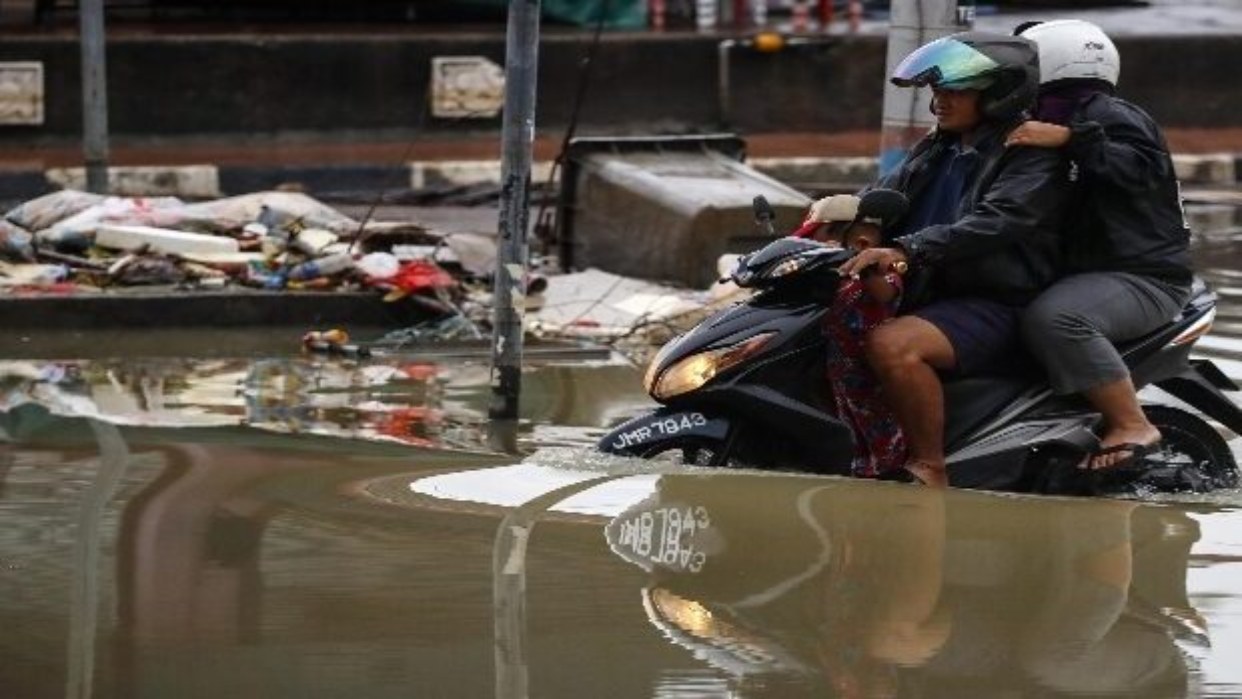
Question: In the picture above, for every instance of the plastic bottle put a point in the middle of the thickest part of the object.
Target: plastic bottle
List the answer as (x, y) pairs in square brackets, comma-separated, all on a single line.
[(276, 241), (323, 267), (310, 241), (379, 265), (273, 218)]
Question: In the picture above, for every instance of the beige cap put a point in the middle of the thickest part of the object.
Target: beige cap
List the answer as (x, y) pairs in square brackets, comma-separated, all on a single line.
[(838, 207)]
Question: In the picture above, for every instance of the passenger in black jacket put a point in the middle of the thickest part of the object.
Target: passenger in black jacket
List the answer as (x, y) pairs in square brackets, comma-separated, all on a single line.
[(1127, 245), (984, 217)]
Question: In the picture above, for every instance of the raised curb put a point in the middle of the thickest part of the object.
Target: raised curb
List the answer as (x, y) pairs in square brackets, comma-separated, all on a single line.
[(210, 181), (1218, 168)]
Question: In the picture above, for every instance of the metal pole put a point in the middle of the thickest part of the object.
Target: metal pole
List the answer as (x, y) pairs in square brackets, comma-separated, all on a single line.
[(521, 66), (94, 95), (907, 112)]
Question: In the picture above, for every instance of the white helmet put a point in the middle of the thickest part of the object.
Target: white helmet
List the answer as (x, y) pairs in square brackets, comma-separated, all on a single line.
[(1074, 49)]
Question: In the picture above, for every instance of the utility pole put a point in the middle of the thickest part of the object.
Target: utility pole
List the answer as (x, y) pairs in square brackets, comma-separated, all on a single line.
[(94, 95), (517, 137), (907, 112)]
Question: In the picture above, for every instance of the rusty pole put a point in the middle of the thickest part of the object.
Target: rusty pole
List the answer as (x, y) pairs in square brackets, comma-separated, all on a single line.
[(517, 137), (94, 95)]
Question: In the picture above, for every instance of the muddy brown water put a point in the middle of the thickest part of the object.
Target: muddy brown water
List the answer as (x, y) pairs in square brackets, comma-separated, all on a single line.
[(216, 515)]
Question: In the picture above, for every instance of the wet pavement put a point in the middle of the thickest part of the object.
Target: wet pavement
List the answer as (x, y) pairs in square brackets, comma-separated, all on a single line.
[(216, 514)]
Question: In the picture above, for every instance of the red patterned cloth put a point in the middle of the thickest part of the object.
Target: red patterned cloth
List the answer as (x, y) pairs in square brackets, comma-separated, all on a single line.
[(879, 444)]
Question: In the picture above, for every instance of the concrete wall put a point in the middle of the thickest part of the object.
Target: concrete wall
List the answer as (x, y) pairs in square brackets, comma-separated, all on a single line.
[(334, 86)]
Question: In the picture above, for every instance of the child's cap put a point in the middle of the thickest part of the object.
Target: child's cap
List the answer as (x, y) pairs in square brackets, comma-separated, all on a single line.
[(838, 207)]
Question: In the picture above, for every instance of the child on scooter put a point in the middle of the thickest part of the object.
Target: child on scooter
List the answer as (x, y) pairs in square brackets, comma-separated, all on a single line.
[(862, 302)]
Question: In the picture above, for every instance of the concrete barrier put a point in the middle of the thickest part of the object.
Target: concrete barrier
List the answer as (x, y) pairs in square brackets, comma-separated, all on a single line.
[(210, 181), (332, 86)]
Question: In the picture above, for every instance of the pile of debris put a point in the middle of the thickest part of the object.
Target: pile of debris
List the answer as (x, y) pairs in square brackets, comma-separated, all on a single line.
[(630, 315), (71, 241), (75, 242)]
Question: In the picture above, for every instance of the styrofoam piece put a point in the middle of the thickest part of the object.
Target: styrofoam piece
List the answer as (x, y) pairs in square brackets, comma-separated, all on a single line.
[(162, 240), (312, 241), (224, 258)]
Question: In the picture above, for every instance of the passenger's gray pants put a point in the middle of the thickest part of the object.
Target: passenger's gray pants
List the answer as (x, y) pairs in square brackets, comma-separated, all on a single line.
[(1072, 326)]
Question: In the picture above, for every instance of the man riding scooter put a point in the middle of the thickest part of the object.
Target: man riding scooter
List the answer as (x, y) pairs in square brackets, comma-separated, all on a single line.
[(987, 218), (733, 390)]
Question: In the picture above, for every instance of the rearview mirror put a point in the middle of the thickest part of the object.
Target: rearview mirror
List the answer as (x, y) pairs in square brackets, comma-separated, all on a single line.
[(763, 210), (764, 215)]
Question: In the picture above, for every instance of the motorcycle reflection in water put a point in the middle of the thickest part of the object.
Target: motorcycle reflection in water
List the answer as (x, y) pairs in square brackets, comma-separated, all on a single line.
[(909, 596)]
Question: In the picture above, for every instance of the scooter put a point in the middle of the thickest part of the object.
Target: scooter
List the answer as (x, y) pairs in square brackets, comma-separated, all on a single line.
[(745, 388)]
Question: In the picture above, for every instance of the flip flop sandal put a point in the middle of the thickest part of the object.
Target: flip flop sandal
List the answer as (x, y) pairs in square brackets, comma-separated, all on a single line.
[(1138, 452)]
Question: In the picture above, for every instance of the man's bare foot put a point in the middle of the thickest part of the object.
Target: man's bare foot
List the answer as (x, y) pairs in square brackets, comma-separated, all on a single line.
[(928, 473), (1113, 445)]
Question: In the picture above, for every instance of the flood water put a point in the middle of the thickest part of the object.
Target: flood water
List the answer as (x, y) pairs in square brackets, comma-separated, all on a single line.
[(216, 515)]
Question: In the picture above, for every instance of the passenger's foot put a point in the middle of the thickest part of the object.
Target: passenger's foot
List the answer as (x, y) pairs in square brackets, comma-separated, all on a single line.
[(1123, 447), (928, 473)]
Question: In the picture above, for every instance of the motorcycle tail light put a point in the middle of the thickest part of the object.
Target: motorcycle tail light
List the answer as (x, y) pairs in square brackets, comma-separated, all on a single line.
[(1200, 328)]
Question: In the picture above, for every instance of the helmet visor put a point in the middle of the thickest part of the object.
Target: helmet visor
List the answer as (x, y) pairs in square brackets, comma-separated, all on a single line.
[(947, 64)]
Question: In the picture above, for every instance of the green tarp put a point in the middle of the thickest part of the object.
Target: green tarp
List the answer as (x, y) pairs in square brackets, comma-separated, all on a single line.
[(620, 14)]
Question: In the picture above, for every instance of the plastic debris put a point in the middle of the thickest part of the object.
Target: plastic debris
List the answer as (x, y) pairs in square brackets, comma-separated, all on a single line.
[(43, 212), (312, 241), (334, 341), (162, 240), (379, 265), (15, 243), (322, 267), (31, 275), (454, 327), (147, 270), (419, 275)]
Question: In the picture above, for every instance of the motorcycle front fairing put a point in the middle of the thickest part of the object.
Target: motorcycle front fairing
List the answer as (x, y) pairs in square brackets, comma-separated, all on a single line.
[(780, 391)]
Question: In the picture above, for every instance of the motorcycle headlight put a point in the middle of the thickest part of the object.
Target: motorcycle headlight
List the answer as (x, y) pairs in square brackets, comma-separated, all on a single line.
[(789, 266), (653, 367), (696, 370)]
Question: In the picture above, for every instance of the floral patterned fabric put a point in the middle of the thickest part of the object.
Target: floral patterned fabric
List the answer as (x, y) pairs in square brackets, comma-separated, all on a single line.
[(879, 444)]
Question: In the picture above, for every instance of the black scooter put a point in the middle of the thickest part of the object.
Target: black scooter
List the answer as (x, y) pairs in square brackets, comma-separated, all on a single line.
[(745, 388)]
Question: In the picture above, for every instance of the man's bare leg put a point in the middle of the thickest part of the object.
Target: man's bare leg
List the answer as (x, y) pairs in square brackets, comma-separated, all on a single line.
[(1124, 421), (905, 354)]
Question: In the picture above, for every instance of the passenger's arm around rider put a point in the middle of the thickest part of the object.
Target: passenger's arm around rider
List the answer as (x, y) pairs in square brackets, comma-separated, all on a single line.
[(1127, 269)]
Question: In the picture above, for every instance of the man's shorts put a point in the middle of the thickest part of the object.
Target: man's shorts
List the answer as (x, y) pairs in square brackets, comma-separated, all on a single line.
[(986, 335)]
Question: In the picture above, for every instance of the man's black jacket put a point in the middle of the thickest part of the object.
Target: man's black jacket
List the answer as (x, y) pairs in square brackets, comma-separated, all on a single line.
[(1006, 241), (1128, 212)]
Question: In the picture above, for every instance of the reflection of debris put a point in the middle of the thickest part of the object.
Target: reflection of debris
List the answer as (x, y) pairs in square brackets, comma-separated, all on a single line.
[(456, 327), (392, 399)]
